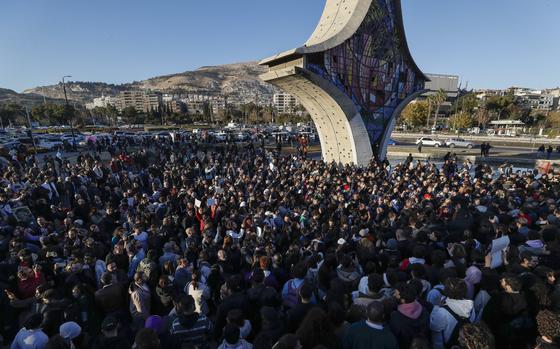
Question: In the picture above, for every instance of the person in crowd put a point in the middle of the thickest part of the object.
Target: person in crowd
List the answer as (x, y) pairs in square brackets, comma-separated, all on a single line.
[(410, 320), (476, 336), (227, 245), (30, 336), (548, 324), (370, 333), (447, 319)]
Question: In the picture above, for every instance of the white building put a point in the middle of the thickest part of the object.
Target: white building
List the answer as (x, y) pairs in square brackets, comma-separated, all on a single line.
[(284, 102), (102, 102), (536, 100)]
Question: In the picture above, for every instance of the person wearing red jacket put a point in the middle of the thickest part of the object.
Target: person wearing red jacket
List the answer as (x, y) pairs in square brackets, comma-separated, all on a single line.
[(28, 281)]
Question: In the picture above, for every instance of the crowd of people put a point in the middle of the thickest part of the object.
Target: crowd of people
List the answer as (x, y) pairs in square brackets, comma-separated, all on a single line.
[(175, 245)]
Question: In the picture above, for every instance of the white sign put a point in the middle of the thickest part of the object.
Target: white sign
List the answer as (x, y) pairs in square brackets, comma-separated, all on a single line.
[(498, 246)]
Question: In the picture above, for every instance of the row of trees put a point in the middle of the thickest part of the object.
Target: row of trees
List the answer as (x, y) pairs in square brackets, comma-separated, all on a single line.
[(470, 111), (60, 114)]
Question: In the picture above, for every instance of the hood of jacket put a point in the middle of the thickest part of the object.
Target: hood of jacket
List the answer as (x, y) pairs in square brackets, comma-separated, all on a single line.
[(410, 310), (461, 307)]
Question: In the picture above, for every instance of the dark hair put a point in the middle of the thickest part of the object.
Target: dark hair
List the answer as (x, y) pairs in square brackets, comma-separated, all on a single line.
[(106, 278), (438, 258), (419, 251), (185, 304), (446, 273), (407, 293), (548, 324), (314, 328), (375, 312), (455, 288), (513, 282), (231, 334), (147, 338), (235, 316), (476, 336), (33, 321), (299, 270), (375, 282)]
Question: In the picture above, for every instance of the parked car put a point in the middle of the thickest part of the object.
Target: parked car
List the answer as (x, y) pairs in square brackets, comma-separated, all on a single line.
[(428, 141), (68, 138), (459, 143), (162, 135), (48, 142)]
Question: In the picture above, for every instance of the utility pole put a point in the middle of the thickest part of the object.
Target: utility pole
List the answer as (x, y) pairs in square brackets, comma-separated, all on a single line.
[(67, 110), (31, 131)]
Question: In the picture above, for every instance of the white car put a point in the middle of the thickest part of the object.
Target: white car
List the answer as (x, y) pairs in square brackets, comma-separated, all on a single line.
[(48, 142), (428, 141), (459, 143)]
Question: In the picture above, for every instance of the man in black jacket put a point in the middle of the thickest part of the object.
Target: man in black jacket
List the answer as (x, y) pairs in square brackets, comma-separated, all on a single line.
[(233, 298), (295, 315)]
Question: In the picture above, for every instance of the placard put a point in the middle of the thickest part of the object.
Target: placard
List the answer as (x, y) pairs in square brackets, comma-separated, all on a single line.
[(498, 246)]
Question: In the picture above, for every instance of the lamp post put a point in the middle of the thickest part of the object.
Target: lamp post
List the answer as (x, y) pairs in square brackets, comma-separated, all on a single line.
[(67, 108)]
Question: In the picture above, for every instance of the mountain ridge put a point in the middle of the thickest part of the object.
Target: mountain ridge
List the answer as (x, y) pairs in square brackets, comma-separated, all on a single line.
[(237, 80)]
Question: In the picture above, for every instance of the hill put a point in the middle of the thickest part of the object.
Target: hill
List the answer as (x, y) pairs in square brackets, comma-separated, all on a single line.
[(239, 80), (26, 99)]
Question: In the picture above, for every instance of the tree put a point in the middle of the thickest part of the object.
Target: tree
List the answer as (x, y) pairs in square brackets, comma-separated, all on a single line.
[(415, 114), (498, 105), (460, 121), (9, 113), (439, 98), (553, 119), (482, 117), (129, 114), (467, 103)]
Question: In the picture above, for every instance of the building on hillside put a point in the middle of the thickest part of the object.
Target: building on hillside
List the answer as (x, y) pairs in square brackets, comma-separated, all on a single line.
[(102, 102), (142, 101), (483, 94), (285, 102), (196, 107), (536, 101), (175, 106)]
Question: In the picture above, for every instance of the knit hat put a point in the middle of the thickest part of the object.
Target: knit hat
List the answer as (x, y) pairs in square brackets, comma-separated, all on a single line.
[(70, 330), (155, 322), (392, 244)]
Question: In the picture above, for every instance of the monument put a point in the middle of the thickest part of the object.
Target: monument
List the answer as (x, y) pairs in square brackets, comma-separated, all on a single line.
[(354, 75)]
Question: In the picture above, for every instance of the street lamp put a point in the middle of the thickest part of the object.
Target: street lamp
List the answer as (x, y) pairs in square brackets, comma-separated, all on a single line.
[(67, 107)]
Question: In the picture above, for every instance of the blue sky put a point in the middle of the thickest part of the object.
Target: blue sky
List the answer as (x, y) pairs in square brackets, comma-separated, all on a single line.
[(489, 43)]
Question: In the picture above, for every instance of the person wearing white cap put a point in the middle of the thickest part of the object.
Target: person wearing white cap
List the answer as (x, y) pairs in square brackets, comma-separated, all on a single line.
[(69, 331)]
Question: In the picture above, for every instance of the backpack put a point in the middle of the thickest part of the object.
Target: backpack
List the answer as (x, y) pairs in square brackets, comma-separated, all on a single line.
[(461, 321), (291, 299)]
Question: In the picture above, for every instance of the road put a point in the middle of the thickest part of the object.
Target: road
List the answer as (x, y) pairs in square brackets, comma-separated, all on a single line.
[(524, 151)]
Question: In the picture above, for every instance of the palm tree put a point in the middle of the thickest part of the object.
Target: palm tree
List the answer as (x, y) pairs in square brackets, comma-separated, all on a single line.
[(439, 98), (430, 100)]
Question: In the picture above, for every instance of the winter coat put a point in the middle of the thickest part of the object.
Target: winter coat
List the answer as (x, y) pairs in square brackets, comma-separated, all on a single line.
[(409, 321), (442, 323)]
